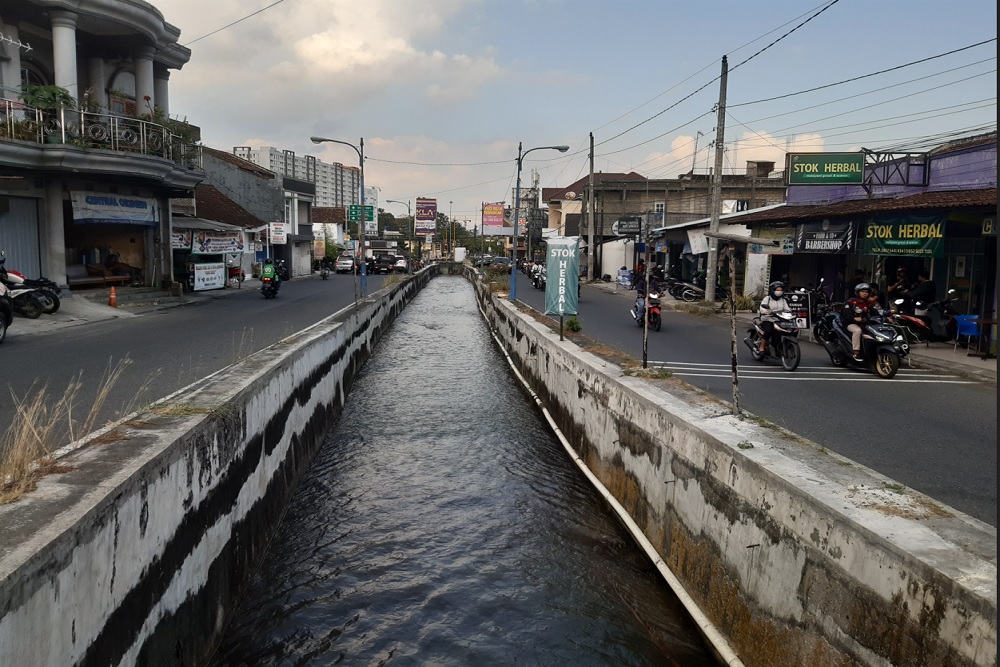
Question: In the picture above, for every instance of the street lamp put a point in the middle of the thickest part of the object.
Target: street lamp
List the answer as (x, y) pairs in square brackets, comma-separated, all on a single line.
[(360, 150), (409, 221), (517, 211)]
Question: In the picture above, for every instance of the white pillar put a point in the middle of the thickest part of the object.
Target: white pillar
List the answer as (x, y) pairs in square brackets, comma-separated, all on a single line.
[(161, 86), (97, 83), (143, 62), (51, 235), (64, 50)]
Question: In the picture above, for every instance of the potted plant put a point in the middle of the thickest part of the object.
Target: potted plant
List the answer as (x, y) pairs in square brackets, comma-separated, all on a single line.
[(50, 100)]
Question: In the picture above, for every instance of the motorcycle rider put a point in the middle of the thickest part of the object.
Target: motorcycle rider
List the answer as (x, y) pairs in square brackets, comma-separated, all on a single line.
[(640, 294), (770, 304), (853, 315), (268, 271)]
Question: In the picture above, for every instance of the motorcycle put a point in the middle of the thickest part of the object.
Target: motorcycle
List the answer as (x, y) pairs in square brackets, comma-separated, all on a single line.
[(691, 293), (538, 277), (783, 344), (324, 272), (882, 345), (282, 270), (268, 288), (937, 326), (638, 312), (46, 291)]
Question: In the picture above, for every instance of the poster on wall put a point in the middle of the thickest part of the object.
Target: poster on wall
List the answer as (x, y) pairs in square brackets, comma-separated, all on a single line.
[(180, 239), (209, 276), (214, 243), (278, 231), (785, 236)]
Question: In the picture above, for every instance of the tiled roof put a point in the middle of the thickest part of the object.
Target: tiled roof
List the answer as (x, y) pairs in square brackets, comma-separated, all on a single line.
[(213, 205), (240, 163), (925, 201), (328, 215)]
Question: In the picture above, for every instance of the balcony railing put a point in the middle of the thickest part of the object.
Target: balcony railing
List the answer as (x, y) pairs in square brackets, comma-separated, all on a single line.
[(86, 129)]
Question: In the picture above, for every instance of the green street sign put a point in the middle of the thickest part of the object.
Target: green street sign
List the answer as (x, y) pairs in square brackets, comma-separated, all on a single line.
[(825, 169), (354, 213)]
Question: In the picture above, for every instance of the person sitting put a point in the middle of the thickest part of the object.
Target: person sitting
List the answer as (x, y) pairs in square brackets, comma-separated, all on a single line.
[(853, 315), (268, 271), (640, 293), (923, 293), (769, 305)]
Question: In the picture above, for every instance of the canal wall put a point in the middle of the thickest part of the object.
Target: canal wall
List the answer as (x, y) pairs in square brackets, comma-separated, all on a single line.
[(135, 547), (795, 555)]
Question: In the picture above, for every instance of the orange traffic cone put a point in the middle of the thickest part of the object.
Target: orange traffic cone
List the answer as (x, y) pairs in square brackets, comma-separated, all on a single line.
[(113, 300)]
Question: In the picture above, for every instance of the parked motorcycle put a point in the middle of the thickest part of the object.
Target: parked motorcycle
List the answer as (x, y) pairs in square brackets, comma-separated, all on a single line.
[(882, 346), (783, 344), (6, 312), (638, 311), (937, 326), (46, 291), (691, 293), (268, 288)]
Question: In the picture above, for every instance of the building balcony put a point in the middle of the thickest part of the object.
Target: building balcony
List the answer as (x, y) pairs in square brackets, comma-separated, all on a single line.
[(86, 143)]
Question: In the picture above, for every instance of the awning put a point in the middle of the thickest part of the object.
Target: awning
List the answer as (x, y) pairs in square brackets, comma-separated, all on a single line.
[(187, 222), (705, 222)]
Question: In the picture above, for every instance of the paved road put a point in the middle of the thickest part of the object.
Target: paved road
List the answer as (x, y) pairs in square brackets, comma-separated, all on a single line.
[(931, 430)]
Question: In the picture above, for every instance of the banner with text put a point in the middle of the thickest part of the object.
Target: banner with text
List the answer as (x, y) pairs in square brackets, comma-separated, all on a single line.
[(180, 239), (493, 215), (912, 235), (826, 237), (425, 222), (562, 275), (214, 243), (97, 207)]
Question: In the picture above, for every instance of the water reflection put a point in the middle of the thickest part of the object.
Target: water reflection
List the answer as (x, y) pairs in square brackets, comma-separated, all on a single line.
[(443, 524)]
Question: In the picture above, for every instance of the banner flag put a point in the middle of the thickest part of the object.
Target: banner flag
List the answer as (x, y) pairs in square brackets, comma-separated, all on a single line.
[(562, 275)]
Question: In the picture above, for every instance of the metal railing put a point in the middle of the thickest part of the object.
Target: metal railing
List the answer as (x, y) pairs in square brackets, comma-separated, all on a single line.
[(84, 129)]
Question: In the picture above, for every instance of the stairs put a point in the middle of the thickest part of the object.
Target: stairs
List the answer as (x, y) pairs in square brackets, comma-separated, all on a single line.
[(131, 297)]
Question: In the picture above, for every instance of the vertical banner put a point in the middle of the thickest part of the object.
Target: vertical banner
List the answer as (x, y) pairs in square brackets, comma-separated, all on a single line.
[(493, 215), (425, 220), (562, 275)]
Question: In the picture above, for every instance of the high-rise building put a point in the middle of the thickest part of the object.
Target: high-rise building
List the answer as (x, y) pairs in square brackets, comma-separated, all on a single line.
[(337, 185)]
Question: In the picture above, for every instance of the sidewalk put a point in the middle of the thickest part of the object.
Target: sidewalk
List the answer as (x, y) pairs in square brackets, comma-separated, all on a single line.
[(937, 356)]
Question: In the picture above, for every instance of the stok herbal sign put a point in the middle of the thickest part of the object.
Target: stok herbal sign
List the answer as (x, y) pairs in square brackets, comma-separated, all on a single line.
[(918, 236), (562, 275), (825, 169)]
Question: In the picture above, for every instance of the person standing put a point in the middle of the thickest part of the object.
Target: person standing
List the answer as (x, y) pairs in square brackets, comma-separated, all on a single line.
[(924, 292), (900, 287)]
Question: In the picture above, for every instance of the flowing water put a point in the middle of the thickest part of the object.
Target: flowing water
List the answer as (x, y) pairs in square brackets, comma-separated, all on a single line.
[(443, 524)]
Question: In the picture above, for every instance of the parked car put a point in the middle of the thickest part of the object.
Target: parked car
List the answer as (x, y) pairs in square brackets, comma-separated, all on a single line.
[(500, 264), (346, 263), (402, 266)]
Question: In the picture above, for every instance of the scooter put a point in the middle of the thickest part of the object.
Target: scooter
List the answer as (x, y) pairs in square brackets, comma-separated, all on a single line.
[(937, 326), (47, 291), (783, 344), (638, 311), (538, 277), (324, 272), (268, 288), (882, 346), (282, 270)]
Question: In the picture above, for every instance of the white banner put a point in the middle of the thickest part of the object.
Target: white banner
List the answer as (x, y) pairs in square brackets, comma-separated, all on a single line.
[(180, 239), (209, 276), (215, 243), (279, 233), (98, 207)]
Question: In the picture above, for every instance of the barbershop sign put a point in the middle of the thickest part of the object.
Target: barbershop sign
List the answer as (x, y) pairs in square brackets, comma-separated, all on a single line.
[(825, 237), (914, 235)]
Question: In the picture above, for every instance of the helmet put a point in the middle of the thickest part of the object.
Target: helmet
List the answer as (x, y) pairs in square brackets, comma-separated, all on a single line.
[(773, 287), (862, 287)]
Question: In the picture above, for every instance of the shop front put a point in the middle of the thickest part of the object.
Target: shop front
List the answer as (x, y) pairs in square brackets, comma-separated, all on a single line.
[(204, 251), (110, 233)]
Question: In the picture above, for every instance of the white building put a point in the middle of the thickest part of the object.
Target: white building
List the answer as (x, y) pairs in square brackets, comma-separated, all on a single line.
[(337, 185)]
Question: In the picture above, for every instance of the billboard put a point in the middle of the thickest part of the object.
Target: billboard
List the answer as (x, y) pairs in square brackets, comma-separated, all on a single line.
[(825, 169), (493, 214), (425, 221)]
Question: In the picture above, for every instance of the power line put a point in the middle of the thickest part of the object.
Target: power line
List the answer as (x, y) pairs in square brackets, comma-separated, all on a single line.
[(278, 2)]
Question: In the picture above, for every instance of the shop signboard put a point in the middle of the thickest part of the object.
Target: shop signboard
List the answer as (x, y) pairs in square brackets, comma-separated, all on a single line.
[(207, 242), (278, 232), (912, 236), (101, 207), (425, 221), (785, 236), (180, 239), (210, 275), (831, 238), (825, 168), (799, 304)]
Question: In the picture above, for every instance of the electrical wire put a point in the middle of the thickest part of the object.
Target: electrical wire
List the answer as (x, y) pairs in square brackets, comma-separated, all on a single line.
[(230, 25)]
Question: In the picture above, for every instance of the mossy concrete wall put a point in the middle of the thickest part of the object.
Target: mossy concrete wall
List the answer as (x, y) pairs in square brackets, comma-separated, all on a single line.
[(136, 550), (798, 556)]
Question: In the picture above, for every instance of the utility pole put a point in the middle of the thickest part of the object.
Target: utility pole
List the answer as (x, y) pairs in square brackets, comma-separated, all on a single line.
[(590, 214), (720, 144)]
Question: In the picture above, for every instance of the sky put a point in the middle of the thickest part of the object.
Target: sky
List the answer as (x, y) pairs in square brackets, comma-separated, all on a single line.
[(442, 92)]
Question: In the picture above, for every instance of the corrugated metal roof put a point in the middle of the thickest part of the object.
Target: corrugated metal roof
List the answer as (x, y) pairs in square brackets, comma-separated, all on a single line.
[(187, 222)]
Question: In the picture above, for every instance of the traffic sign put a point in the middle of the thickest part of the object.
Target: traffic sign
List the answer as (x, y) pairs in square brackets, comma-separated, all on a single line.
[(354, 213)]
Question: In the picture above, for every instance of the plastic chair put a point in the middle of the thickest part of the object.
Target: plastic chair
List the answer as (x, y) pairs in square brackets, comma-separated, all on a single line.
[(967, 326)]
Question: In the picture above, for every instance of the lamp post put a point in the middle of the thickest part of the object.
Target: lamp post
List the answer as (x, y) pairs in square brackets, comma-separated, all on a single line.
[(409, 221), (360, 150), (517, 211)]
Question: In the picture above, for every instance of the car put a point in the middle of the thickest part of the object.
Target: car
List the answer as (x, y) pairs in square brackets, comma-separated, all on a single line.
[(384, 263), (402, 266), (500, 264), (346, 264)]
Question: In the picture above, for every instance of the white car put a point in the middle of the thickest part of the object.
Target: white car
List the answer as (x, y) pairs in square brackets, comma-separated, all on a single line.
[(401, 265), (346, 264)]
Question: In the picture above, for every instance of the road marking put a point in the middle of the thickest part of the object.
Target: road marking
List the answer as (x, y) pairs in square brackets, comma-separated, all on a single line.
[(812, 373)]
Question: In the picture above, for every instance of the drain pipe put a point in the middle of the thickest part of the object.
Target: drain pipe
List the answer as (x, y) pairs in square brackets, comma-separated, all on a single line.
[(720, 646)]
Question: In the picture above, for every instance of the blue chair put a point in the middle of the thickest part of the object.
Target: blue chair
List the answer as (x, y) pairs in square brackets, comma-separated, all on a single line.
[(967, 326)]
